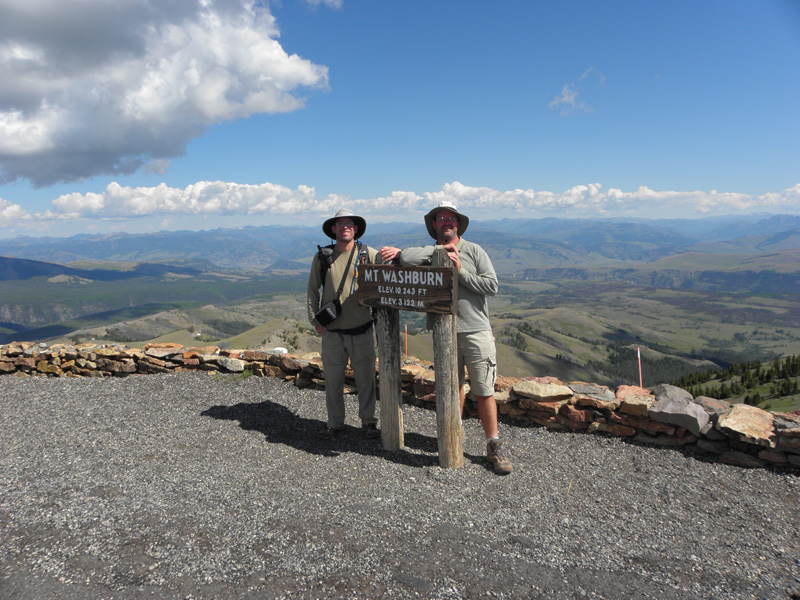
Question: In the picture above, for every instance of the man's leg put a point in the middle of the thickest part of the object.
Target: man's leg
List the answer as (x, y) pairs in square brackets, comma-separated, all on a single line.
[(362, 358), (487, 412), (334, 361), (478, 353)]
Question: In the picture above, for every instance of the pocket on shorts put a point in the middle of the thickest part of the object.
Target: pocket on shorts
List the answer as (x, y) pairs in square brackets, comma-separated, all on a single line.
[(488, 372), (492, 370)]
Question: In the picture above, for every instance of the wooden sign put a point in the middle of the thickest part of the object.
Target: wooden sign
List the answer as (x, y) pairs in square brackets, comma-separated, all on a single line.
[(422, 289)]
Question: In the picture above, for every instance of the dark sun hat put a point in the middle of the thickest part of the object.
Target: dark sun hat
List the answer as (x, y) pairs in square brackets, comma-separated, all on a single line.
[(344, 213), (463, 220)]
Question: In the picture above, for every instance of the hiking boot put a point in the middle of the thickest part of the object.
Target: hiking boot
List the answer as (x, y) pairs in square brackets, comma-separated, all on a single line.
[(494, 452), (370, 431), (330, 434)]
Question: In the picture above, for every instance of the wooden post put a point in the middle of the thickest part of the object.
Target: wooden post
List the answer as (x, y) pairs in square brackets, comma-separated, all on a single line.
[(387, 331), (430, 289), (448, 405)]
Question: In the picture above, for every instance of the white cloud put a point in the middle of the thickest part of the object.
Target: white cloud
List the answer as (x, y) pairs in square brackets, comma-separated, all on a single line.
[(567, 101), (11, 214), (107, 86), (201, 198), (781, 201), (220, 200), (591, 200)]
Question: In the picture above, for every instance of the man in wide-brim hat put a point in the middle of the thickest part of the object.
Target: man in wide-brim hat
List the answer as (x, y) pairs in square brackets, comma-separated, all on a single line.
[(350, 335), (430, 219), (476, 348), (345, 213)]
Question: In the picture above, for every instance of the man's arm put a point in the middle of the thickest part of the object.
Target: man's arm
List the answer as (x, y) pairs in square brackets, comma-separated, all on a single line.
[(313, 294), (477, 274)]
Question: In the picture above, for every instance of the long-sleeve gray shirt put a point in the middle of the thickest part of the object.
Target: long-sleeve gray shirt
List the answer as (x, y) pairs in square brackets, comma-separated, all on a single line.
[(476, 280)]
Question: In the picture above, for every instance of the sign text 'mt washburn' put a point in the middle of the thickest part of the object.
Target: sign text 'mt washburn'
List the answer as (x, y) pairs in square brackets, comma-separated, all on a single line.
[(423, 289)]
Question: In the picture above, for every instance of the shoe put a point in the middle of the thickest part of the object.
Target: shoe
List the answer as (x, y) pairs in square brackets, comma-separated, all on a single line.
[(329, 434), (370, 431), (494, 452)]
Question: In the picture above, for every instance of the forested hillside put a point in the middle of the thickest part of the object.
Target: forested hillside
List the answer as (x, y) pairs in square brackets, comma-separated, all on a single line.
[(774, 385)]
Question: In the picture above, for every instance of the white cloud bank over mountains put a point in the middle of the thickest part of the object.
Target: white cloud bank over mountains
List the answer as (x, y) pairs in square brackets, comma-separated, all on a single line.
[(111, 86), (219, 198)]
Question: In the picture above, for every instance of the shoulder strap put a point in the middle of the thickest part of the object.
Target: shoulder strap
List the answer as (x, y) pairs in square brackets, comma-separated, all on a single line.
[(325, 259), (346, 270)]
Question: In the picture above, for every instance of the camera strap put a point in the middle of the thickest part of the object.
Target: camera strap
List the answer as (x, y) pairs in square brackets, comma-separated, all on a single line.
[(346, 271)]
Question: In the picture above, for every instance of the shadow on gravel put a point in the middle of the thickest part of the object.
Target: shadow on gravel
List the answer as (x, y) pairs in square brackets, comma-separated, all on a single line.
[(279, 425), (425, 443)]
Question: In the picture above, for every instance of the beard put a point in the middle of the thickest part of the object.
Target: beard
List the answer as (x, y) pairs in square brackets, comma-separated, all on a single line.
[(447, 235)]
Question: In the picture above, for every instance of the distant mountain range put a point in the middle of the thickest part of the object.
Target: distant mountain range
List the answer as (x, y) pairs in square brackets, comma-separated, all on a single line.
[(12, 269), (514, 245)]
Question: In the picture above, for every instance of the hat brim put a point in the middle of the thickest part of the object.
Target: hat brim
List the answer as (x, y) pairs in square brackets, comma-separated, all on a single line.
[(463, 221), (327, 226)]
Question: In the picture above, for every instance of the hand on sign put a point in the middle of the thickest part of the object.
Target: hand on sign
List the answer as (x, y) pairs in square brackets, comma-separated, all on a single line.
[(389, 253), (452, 254)]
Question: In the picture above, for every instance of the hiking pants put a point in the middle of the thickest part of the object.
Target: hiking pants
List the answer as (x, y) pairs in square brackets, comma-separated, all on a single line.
[(360, 349)]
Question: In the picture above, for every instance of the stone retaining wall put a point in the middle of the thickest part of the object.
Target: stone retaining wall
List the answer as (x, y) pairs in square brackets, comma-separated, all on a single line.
[(664, 415)]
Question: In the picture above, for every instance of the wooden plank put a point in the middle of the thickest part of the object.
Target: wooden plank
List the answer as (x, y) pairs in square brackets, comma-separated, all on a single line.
[(387, 331), (448, 406), (422, 289)]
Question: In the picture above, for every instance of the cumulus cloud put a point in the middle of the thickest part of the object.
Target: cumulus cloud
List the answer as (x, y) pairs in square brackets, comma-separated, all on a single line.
[(109, 86), (11, 214), (592, 200), (268, 200), (201, 198)]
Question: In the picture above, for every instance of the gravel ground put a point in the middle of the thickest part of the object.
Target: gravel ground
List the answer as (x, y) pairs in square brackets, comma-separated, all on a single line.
[(207, 486)]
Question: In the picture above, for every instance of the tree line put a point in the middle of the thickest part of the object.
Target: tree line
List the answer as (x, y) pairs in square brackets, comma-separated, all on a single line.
[(779, 377)]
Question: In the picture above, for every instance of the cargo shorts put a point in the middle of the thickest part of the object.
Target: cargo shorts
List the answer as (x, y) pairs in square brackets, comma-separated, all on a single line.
[(476, 351)]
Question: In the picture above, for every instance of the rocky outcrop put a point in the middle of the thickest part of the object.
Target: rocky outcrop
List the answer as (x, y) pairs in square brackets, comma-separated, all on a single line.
[(668, 416)]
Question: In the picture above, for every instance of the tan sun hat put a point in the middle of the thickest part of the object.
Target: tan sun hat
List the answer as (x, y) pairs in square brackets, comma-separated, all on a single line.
[(463, 220), (344, 213)]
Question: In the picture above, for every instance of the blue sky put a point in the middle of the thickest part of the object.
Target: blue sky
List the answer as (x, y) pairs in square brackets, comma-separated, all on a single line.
[(124, 115)]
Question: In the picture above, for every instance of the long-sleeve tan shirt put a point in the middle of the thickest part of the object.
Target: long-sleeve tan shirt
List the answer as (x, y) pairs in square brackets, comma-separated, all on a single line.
[(353, 314)]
